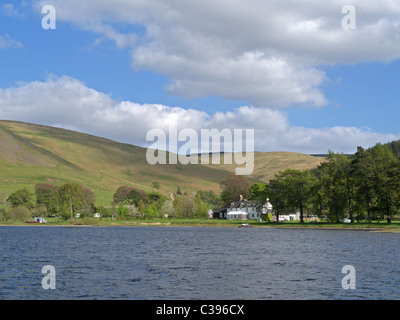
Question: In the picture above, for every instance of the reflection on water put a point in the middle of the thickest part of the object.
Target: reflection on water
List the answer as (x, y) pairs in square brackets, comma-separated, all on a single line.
[(197, 263)]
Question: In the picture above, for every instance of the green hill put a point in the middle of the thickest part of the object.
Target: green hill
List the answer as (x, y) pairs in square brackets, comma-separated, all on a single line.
[(31, 153)]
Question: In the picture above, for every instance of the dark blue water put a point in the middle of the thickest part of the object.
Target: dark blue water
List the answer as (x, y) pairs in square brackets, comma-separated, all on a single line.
[(197, 263)]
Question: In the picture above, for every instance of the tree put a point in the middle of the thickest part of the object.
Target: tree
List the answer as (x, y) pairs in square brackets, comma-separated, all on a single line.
[(201, 209), (296, 189), (22, 197), (259, 192), (133, 210), (141, 206), (188, 207), (20, 213), (362, 170), (155, 198), (128, 195), (167, 210), (123, 212), (335, 185), (88, 202), (71, 196), (47, 195), (151, 211), (386, 180), (277, 197), (178, 205), (210, 198), (233, 187)]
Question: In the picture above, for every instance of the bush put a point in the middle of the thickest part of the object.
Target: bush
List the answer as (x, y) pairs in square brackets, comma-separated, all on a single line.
[(151, 211), (123, 212), (20, 213)]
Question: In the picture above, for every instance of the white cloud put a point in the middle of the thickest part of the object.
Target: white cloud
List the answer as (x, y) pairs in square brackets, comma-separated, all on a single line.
[(269, 53), (68, 103), (7, 42), (9, 10)]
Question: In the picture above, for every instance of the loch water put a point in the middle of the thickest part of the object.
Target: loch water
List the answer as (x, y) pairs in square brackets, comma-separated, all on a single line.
[(146, 263)]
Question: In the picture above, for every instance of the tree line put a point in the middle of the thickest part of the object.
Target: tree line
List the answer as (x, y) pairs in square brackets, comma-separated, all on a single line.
[(65, 201), (133, 202), (70, 199), (361, 187)]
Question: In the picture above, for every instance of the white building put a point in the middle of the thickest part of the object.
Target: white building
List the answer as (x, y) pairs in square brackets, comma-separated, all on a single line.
[(237, 215), (267, 208), (289, 217), (243, 209), (40, 220)]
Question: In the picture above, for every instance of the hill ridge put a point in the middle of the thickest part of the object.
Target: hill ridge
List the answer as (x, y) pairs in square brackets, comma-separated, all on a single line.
[(57, 155)]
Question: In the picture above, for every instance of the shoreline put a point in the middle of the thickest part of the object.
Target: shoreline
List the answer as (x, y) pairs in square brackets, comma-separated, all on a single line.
[(372, 228)]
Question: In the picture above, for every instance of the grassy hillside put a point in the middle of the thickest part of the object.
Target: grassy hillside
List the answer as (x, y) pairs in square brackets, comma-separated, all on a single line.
[(267, 164), (31, 153)]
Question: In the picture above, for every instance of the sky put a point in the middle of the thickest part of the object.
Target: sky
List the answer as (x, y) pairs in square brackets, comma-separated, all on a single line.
[(304, 75)]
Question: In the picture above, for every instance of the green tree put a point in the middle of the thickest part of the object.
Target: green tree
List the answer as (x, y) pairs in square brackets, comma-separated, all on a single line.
[(141, 207), (363, 171), (277, 190), (151, 211), (296, 187), (71, 196), (47, 195), (211, 198), (259, 192), (178, 205), (201, 208), (386, 180), (122, 212), (155, 198), (335, 183), (21, 198), (20, 213)]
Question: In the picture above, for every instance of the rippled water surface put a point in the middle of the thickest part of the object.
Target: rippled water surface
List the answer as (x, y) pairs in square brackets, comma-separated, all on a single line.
[(197, 263)]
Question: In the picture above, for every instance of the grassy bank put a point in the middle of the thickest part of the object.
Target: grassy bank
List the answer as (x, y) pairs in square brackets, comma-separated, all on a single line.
[(373, 226)]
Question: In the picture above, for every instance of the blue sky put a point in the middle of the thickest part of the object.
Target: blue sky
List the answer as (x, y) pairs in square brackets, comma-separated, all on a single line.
[(335, 94)]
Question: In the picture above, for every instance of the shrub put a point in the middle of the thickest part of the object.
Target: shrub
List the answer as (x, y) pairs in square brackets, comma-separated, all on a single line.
[(20, 213)]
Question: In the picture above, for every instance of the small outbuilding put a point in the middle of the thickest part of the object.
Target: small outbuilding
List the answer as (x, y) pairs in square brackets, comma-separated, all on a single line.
[(37, 220)]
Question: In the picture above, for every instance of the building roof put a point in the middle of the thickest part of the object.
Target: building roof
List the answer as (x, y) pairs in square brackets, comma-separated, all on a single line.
[(242, 203), (219, 210)]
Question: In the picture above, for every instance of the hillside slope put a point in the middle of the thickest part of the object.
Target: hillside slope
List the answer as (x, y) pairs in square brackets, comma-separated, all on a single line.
[(31, 153)]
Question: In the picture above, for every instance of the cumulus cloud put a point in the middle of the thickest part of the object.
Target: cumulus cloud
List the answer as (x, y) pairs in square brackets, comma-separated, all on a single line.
[(68, 103), (269, 53)]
